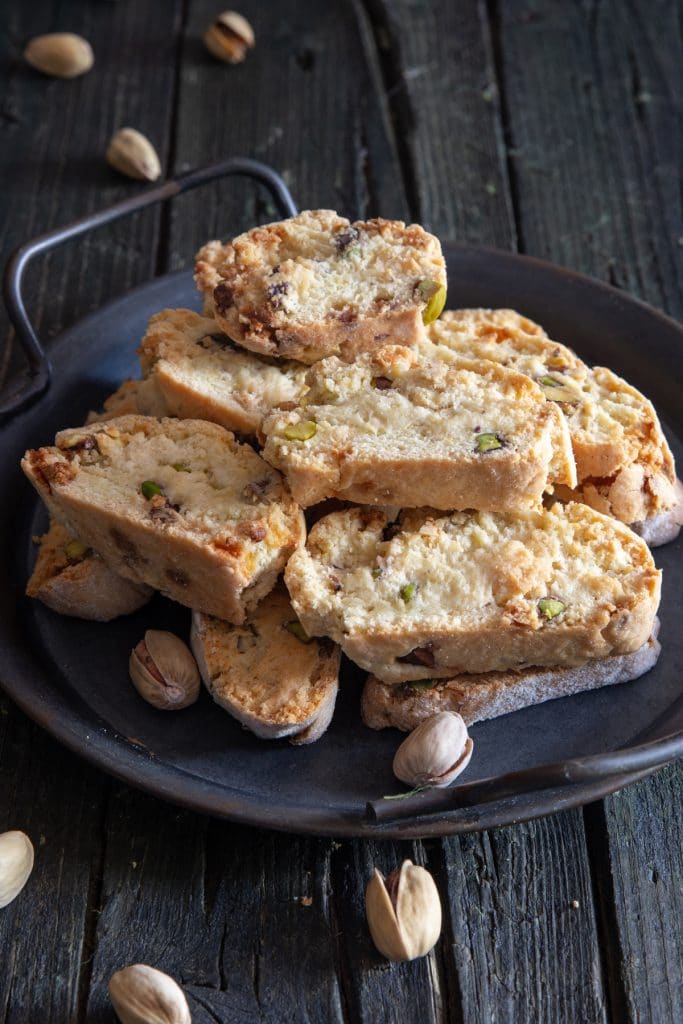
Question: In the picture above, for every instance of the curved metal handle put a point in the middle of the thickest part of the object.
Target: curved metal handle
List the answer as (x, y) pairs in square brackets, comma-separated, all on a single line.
[(645, 757), (27, 390)]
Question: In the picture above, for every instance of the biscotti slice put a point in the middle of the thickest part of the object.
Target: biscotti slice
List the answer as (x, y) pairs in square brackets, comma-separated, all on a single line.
[(438, 595), (480, 697), (399, 427), (267, 673), (317, 285), (71, 579), (133, 397), (176, 504), (623, 462), (202, 374)]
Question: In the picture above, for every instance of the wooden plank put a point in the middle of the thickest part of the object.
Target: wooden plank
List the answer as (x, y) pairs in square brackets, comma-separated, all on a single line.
[(55, 135), (58, 801), (441, 79), (636, 840), (520, 949), (306, 101), (595, 138)]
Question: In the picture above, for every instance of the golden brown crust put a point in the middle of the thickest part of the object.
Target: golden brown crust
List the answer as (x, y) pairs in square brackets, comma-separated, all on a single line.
[(317, 285), (222, 563), (80, 584), (264, 675), (481, 697)]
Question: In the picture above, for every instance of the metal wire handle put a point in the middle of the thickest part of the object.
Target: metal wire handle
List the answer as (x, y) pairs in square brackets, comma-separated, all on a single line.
[(30, 386)]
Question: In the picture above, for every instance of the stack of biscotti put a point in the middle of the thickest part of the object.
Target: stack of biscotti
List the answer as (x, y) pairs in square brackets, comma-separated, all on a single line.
[(320, 342)]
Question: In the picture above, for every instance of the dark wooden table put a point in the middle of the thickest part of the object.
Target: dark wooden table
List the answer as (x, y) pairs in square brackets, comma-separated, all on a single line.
[(548, 126)]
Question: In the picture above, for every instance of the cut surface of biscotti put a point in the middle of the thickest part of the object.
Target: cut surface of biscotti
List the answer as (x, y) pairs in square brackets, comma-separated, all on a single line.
[(398, 427), (438, 595), (133, 397), (71, 579), (202, 374), (318, 285), (176, 504), (623, 462), (480, 697), (267, 673)]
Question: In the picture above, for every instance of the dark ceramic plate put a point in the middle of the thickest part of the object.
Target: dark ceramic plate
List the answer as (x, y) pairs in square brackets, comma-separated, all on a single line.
[(71, 676)]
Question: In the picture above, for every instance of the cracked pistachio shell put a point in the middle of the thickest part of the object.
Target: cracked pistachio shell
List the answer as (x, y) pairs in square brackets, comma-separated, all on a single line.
[(130, 153), (228, 37), (434, 753), (403, 912), (16, 864), (143, 995), (164, 672), (60, 54)]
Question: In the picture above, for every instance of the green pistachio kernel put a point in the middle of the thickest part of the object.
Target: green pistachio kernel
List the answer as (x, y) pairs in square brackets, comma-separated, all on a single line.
[(434, 294), (296, 629), (304, 430), (423, 684), (549, 382), (487, 442), (181, 467), (76, 550), (376, 573), (149, 489), (550, 607), (408, 591)]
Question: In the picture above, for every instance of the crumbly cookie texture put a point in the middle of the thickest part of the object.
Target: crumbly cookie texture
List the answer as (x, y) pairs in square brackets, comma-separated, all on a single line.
[(202, 374), (399, 427), (480, 697), (437, 595), (317, 285), (267, 673), (72, 579), (176, 504), (133, 397), (624, 464)]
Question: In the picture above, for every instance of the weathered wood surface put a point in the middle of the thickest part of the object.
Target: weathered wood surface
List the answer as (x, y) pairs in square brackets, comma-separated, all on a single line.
[(540, 125)]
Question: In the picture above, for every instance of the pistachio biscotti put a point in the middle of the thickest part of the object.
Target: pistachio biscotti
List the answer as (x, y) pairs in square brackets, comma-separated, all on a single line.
[(267, 672), (317, 285), (71, 579), (439, 595), (624, 464), (202, 374), (399, 427), (176, 504), (480, 697)]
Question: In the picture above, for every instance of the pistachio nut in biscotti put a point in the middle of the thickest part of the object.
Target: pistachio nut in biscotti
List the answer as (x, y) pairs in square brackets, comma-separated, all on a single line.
[(318, 285), (200, 372), (267, 673), (402, 427), (431, 595), (176, 504), (623, 462)]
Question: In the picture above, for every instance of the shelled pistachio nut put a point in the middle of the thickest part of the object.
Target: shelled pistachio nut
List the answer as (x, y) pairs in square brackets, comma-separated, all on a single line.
[(403, 912), (164, 672), (144, 995), (435, 752), (60, 54), (228, 37), (130, 153), (16, 864)]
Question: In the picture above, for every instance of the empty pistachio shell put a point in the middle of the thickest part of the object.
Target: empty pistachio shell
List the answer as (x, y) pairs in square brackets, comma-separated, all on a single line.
[(434, 753), (61, 54), (143, 995), (130, 153), (403, 912), (16, 864), (164, 672), (228, 37)]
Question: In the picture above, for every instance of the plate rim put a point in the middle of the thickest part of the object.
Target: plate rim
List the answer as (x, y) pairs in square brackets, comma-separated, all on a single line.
[(104, 747)]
